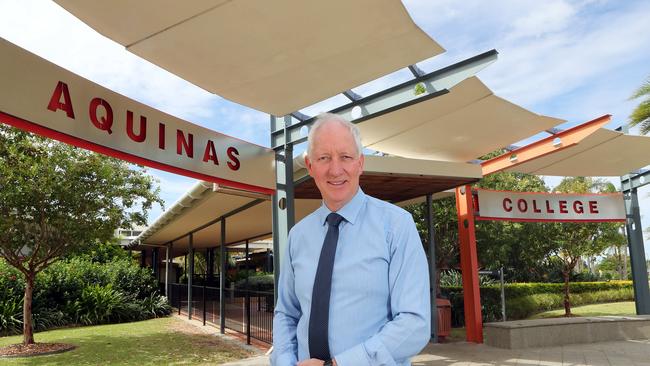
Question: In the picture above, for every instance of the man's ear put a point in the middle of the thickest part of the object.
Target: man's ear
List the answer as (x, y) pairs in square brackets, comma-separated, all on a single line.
[(361, 161), (308, 164)]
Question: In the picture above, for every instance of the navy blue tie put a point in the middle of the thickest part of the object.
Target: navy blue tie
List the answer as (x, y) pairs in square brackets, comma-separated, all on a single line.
[(320, 298)]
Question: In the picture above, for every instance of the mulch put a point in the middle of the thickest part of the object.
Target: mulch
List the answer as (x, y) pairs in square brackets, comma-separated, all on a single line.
[(36, 349)]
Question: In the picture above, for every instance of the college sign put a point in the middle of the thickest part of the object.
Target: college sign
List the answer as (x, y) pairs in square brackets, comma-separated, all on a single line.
[(533, 206), (43, 98)]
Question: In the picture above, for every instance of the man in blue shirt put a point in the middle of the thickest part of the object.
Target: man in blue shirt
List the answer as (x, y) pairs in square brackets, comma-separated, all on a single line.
[(371, 292)]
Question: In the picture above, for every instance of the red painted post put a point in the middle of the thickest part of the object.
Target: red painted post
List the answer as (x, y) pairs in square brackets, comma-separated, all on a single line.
[(469, 265)]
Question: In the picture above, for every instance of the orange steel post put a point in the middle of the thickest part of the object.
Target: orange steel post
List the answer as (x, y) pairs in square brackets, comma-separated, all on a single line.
[(549, 145), (469, 264)]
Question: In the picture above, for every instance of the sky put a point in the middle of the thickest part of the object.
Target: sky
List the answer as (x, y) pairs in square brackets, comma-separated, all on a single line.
[(574, 60)]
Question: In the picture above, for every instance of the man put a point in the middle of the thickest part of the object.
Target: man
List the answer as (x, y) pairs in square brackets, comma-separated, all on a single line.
[(354, 284)]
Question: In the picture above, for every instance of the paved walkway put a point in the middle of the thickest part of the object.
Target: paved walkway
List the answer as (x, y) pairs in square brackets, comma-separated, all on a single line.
[(620, 353)]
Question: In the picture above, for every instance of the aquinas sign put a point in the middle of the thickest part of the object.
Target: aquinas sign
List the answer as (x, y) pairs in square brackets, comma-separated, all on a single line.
[(533, 206), (40, 97)]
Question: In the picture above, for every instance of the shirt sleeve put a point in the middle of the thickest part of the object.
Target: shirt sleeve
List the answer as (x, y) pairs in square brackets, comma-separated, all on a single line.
[(286, 316), (410, 328)]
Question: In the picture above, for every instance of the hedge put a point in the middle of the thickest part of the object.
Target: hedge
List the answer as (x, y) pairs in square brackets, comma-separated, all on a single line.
[(79, 291), (526, 299)]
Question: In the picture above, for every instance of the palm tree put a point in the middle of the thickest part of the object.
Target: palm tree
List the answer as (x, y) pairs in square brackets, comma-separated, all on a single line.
[(641, 114)]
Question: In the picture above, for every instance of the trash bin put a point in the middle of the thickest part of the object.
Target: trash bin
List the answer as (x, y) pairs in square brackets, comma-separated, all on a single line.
[(444, 318)]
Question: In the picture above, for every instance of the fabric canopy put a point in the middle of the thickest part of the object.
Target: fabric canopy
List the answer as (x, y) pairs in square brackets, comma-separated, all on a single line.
[(275, 56), (603, 153), (468, 122)]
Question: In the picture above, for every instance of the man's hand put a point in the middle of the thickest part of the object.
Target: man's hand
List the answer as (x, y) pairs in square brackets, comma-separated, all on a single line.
[(314, 362)]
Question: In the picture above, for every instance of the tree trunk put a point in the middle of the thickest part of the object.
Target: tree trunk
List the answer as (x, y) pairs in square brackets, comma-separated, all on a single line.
[(567, 303), (28, 331)]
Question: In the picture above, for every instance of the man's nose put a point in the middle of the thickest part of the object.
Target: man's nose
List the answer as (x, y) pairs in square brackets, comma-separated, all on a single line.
[(336, 167)]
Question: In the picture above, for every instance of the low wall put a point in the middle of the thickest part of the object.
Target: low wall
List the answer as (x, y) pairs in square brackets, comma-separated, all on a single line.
[(561, 331)]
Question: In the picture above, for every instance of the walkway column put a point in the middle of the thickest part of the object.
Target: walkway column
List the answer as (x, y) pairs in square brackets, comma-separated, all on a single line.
[(190, 276), (209, 260), (637, 253), (154, 263), (143, 258), (469, 264), (222, 279), (432, 269), (168, 250), (283, 204)]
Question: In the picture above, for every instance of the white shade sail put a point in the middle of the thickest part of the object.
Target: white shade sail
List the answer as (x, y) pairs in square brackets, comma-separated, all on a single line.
[(603, 153), (275, 56), (468, 122)]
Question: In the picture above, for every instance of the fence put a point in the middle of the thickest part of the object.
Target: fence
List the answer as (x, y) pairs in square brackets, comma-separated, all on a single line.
[(249, 312)]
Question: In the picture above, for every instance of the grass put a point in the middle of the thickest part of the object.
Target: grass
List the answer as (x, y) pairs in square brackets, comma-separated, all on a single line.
[(164, 341), (614, 308)]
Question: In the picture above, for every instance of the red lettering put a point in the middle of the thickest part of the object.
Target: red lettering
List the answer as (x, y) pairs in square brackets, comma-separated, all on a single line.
[(522, 205), (234, 161), (55, 100), (105, 122), (129, 127), (210, 153), (182, 143), (578, 207), (563, 208), (548, 207), (593, 207), (535, 209), (161, 136), (507, 204)]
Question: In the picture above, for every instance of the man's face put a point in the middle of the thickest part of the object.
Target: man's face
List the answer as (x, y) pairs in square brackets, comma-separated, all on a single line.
[(335, 164)]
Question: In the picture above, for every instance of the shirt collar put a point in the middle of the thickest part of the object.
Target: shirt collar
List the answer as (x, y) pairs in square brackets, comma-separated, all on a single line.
[(349, 211)]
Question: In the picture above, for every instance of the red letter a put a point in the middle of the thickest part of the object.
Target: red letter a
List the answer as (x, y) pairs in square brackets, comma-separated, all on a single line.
[(55, 101), (210, 153)]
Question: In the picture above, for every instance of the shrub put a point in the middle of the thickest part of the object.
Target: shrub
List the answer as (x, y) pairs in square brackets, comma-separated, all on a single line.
[(526, 299), (11, 312), (79, 291)]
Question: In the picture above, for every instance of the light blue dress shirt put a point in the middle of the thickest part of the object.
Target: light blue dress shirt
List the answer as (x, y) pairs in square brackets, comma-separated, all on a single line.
[(379, 304)]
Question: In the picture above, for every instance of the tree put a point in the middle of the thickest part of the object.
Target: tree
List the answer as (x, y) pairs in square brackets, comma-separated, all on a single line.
[(641, 114), (573, 241), (445, 232), (56, 199)]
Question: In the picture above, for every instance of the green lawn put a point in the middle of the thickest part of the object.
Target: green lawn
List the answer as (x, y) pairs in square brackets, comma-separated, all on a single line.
[(166, 341), (614, 308)]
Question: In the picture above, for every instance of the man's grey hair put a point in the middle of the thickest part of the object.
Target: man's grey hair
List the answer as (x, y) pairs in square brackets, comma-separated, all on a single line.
[(326, 118)]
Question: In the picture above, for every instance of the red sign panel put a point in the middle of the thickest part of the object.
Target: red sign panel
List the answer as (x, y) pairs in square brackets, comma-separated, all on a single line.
[(43, 98), (534, 206)]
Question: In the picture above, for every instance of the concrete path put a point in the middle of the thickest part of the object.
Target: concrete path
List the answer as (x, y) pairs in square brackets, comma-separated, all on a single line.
[(621, 353)]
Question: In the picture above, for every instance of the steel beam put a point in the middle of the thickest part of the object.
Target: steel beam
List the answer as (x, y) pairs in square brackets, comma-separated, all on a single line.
[(548, 145), (635, 181), (432, 269), (283, 211), (168, 249), (436, 83), (190, 276), (637, 253), (222, 279), (469, 264)]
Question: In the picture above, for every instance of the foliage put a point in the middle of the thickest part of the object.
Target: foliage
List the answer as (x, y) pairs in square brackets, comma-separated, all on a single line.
[(525, 299), (56, 199), (451, 278), (641, 114), (259, 282), (573, 241), (80, 291)]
